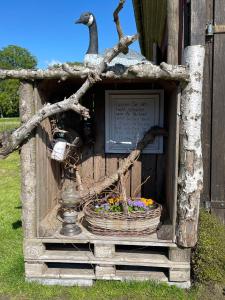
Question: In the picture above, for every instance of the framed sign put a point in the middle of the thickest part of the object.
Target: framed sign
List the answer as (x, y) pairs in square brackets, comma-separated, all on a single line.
[(128, 115)]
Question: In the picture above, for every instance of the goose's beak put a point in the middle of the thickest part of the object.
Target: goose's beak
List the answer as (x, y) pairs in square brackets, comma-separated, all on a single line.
[(79, 21)]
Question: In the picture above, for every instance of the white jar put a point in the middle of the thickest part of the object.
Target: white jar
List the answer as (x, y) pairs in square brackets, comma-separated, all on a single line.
[(59, 150)]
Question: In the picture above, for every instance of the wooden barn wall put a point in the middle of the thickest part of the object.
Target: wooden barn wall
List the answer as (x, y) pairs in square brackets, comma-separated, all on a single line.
[(213, 110), (218, 113), (193, 17)]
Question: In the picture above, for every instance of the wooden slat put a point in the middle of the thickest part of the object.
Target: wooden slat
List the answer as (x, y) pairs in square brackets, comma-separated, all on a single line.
[(87, 172), (127, 177), (150, 259), (48, 171), (173, 31), (198, 22), (150, 17), (136, 178), (218, 112), (171, 171), (40, 162), (87, 157), (149, 170), (99, 146), (207, 112), (112, 163), (160, 177)]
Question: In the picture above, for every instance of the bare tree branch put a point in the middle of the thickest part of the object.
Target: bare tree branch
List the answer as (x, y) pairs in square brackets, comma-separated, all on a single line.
[(142, 70), (71, 103), (99, 187), (117, 20)]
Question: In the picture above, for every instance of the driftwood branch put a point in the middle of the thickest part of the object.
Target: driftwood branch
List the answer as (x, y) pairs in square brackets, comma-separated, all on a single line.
[(59, 72), (71, 103), (117, 20), (145, 71), (99, 187), (152, 72)]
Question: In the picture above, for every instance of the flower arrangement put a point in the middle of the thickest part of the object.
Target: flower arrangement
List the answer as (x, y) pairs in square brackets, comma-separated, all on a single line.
[(114, 204)]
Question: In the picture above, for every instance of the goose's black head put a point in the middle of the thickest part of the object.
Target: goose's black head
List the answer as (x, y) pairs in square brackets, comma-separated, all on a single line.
[(86, 18)]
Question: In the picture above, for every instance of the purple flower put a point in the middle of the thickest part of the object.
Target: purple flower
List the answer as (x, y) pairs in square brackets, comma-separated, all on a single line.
[(130, 202), (139, 203), (106, 206)]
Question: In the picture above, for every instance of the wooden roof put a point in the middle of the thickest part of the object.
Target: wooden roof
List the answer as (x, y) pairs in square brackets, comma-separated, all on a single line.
[(150, 18)]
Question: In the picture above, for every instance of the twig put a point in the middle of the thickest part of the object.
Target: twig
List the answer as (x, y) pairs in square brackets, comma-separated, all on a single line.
[(140, 185), (116, 18), (99, 187), (71, 103), (124, 194)]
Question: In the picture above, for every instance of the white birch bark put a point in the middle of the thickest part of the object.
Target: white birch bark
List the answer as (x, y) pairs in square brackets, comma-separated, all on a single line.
[(190, 179)]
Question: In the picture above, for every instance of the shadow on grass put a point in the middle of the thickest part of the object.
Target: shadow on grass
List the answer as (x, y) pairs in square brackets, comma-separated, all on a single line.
[(17, 224)]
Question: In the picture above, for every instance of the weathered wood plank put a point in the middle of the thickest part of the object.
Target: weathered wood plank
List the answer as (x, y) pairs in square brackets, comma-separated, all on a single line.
[(136, 179), (173, 31), (149, 171), (207, 112), (198, 22), (171, 171), (127, 177), (28, 164), (218, 111), (112, 163), (87, 156), (99, 146)]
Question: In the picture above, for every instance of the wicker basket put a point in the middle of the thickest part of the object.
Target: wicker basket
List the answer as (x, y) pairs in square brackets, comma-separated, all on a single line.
[(117, 223)]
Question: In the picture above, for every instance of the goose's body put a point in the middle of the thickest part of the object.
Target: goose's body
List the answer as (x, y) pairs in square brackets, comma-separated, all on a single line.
[(93, 58)]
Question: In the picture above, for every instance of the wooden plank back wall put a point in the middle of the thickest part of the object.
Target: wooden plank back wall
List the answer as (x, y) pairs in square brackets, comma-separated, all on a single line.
[(104, 164), (48, 171), (95, 163)]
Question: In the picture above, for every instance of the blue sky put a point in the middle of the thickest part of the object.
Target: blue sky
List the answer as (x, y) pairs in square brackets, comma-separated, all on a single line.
[(46, 27)]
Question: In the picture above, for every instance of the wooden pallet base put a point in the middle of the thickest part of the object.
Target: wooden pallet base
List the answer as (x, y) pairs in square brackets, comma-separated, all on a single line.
[(79, 262)]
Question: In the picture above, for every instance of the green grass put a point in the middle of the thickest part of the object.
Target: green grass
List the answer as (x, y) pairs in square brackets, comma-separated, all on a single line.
[(209, 256), (13, 285), (9, 123)]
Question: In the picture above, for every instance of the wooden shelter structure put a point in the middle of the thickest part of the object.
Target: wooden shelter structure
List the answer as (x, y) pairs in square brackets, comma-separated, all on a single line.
[(174, 164)]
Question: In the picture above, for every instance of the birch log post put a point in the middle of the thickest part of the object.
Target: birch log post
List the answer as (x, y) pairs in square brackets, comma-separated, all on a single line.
[(28, 163), (190, 178)]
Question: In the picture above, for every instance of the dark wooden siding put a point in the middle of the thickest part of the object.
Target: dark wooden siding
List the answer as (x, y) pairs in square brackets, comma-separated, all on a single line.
[(213, 110), (194, 16), (218, 116)]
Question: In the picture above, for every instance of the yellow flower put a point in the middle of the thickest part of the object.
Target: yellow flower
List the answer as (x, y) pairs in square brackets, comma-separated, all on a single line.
[(150, 202), (111, 200)]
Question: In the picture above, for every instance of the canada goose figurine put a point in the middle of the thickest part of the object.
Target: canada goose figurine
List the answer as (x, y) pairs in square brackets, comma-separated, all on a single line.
[(92, 57), (88, 19)]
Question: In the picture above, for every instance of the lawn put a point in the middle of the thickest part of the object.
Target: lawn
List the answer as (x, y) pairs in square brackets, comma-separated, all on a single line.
[(8, 123), (13, 285)]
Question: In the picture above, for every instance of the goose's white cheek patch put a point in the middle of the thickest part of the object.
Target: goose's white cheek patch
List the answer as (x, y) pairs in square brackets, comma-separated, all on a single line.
[(90, 21)]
